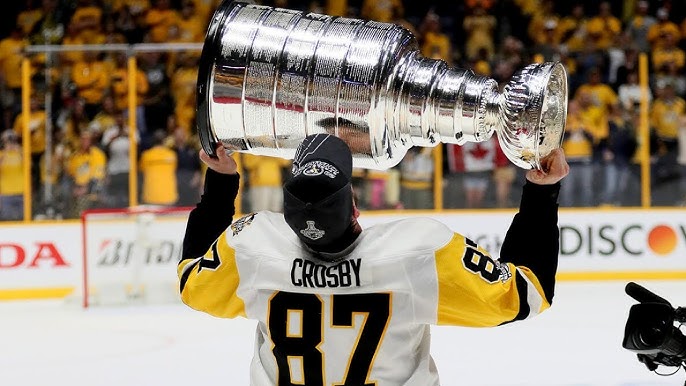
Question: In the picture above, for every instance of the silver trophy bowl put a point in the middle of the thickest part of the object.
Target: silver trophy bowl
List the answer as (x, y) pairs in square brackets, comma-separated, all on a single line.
[(269, 77)]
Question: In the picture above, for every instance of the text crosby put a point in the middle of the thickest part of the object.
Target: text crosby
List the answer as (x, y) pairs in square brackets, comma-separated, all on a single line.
[(305, 273)]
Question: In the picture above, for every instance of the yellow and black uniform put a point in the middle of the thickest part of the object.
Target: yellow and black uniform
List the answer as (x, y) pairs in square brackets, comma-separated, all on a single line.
[(658, 30), (87, 167), (92, 78), (603, 30), (403, 276), (10, 61), (120, 87), (11, 172), (665, 117), (578, 141), (158, 165), (480, 30), (602, 95), (595, 120), (36, 128)]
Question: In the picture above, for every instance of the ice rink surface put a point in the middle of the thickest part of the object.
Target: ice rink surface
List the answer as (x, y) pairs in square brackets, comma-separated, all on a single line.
[(575, 343)]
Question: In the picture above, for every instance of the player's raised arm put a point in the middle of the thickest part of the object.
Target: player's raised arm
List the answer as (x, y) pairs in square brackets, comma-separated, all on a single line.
[(215, 211), (477, 290), (533, 239), (205, 247)]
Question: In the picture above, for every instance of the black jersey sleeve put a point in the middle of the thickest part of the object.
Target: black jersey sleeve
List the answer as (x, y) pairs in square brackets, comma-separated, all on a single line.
[(533, 239), (212, 215)]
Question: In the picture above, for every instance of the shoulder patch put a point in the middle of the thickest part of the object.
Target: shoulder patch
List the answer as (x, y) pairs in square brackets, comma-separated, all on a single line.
[(242, 222)]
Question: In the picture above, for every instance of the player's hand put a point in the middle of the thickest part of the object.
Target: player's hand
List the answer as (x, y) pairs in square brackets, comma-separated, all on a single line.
[(554, 167), (223, 164)]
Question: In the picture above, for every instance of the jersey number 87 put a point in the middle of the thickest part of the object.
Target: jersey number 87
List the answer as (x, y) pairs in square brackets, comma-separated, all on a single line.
[(304, 346)]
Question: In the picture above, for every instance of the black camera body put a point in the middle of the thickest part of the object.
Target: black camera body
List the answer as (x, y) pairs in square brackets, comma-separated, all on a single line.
[(651, 330)]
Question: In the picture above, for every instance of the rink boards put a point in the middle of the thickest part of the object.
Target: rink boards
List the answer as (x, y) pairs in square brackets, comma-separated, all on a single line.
[(45, 260)]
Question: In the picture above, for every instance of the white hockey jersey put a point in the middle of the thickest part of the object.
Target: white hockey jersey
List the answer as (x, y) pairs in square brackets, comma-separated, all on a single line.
[(364, 319)]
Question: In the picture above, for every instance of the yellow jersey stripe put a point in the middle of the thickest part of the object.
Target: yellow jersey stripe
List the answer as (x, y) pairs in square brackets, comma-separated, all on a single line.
[(216, 291), (465, 298)]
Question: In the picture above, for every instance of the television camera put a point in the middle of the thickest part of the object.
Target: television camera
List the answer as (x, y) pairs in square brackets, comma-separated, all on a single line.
[(651, 330)]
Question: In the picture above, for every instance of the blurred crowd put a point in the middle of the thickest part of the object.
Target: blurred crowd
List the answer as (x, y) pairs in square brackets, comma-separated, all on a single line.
[(80, 157)]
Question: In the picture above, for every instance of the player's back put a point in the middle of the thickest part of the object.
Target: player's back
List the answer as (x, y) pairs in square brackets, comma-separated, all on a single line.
[(362, 319)]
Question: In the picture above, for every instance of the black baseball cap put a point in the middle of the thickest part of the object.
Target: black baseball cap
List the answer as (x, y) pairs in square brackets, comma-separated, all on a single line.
[(318, 203)]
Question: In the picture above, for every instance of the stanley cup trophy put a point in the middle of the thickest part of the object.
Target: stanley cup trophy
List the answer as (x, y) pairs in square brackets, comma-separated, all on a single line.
[(269, 77)]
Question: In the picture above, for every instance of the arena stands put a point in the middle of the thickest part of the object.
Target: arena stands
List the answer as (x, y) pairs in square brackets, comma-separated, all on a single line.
[(79, 115)]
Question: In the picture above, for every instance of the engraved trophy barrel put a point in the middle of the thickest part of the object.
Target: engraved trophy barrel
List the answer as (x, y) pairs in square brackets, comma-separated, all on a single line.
[(268, 77)]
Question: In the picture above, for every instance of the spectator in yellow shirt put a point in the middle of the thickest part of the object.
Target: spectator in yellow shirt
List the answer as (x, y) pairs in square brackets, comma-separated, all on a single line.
[(578, 148), (604, 28), (265, 181), (594, 117), (86, 170), (544, 15), (87, 18), (571, 30), (601, 94), (480, 28), (11, 49), (159, 19), (104, 119), (668, 55), (434, 43), (664, 117), (158, 165), (37, 133), (663, 27), (91, 78), (11, 177)]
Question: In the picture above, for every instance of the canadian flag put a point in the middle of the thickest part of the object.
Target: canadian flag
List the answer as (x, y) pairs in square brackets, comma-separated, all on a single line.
[(476, 156)]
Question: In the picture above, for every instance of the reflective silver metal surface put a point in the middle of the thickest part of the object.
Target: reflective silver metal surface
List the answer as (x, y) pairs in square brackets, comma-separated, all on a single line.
[(269, 77)]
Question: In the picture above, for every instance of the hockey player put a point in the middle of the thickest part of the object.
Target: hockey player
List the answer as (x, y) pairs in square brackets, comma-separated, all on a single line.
[(339, 305)]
